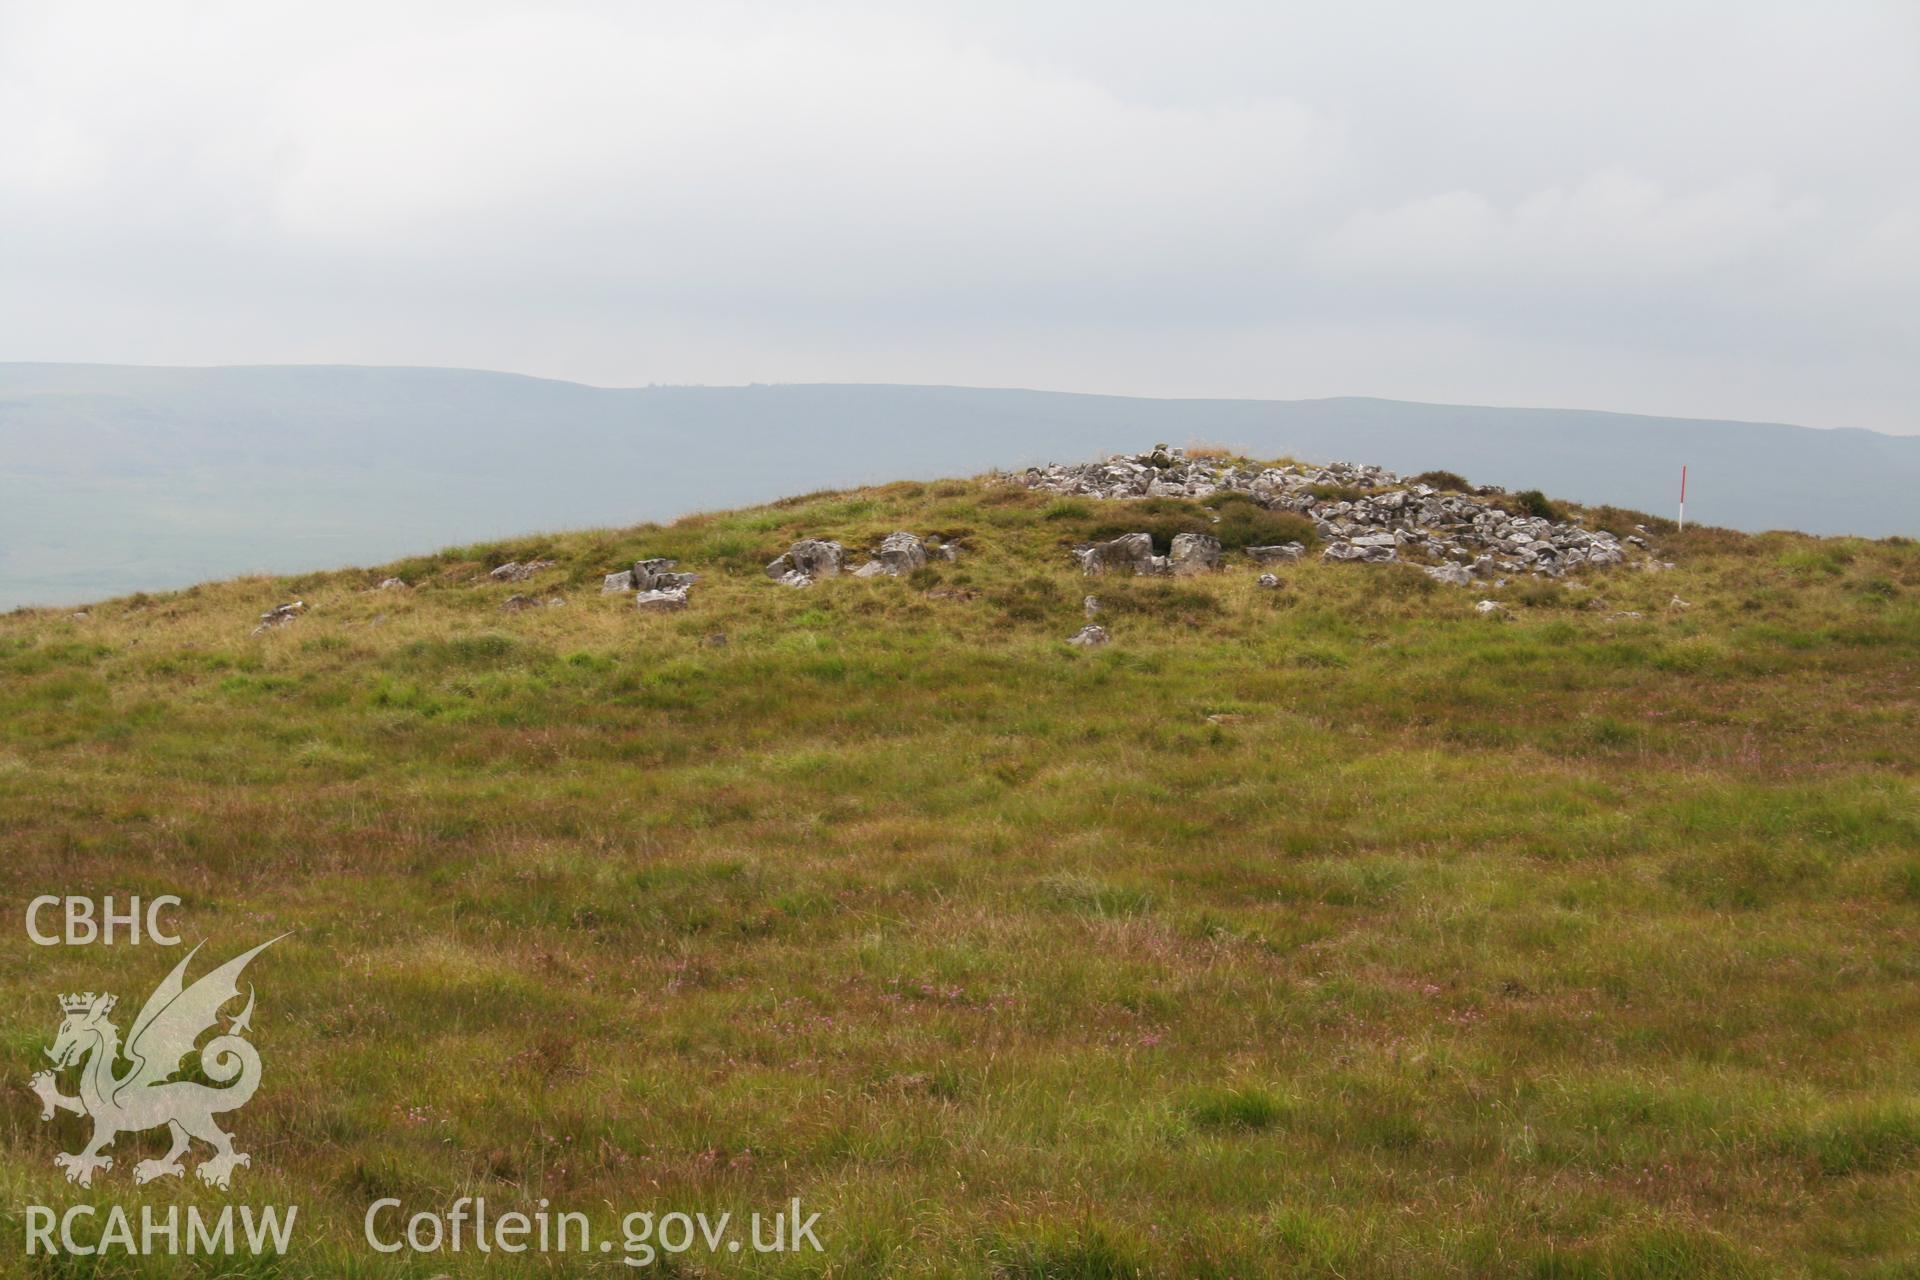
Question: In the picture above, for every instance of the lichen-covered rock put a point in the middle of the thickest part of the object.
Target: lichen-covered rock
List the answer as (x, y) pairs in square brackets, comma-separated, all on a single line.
[(1089, 636), (898, 554), (1194, 553), (901, 553), (809, 556), (794, 578), (1457, 575), (1279, 554), (617, 582), (661, 599), (658, 575), (1266, 580), (1128, 553), (391, 584)]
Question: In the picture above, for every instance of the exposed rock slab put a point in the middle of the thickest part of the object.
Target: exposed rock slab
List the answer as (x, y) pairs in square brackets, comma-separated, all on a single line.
[(519, 571)]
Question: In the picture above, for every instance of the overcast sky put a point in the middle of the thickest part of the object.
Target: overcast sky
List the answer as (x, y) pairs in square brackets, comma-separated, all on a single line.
[(1667, 207)]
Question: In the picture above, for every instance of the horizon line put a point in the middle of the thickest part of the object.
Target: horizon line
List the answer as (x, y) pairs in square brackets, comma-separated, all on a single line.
[(936, 386)]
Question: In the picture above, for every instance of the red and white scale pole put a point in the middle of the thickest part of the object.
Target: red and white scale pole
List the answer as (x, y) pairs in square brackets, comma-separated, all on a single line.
[(1683, 497)]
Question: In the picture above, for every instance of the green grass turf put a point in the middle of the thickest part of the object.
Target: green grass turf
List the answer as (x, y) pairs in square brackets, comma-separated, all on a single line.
[(1326, 930)]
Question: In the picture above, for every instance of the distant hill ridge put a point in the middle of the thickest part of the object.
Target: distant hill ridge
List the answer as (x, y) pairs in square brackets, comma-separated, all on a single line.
[(119, 478)]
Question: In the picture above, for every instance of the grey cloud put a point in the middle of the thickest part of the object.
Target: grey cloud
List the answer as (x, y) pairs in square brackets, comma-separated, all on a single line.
[(1688, 208)]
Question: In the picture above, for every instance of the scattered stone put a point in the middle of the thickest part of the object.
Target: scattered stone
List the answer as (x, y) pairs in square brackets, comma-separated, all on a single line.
[(952, 593), (1089, 636), (1277, 554), (515, 571), (1678, 603), (1225, 717), (1628, 615), (280, 615), (809, 557), (81, 616), (1488, 607), (661, 599), (1267, 580), (796, 579), (514, 604), (391, 584), (646, 575), (1194, 553), (1090, 606), (659, 575), (717, 640)]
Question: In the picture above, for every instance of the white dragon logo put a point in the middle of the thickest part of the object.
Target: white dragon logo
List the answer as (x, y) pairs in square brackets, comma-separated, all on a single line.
[(145, 1096)]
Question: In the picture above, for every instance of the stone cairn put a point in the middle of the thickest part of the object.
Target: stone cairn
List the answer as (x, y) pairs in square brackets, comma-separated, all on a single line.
[(1455, 537), (1361, 513)]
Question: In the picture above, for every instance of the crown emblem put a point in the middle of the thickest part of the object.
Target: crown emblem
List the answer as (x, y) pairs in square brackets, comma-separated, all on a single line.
[(83, 1002)]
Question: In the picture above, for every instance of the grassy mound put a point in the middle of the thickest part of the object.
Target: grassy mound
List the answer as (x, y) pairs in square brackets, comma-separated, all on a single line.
[(1332, 929)]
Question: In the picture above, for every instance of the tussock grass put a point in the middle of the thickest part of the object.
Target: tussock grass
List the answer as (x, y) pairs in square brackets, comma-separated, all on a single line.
[(1327, 930)]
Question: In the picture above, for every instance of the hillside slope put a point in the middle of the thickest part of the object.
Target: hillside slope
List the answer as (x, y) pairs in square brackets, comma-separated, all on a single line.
[(1325, 928), (116, 479)]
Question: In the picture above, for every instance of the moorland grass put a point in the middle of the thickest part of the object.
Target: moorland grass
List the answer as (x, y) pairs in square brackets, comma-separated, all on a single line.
[(1326, 930)]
